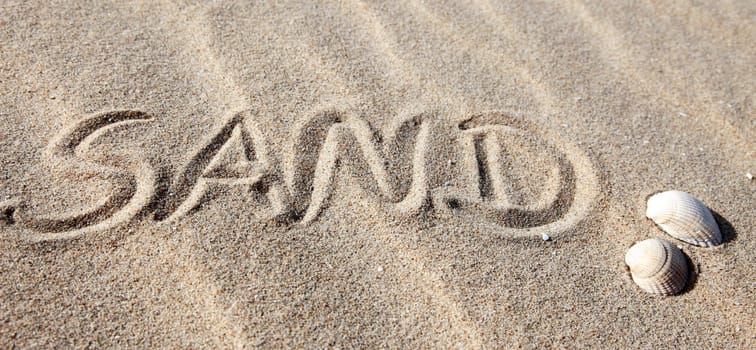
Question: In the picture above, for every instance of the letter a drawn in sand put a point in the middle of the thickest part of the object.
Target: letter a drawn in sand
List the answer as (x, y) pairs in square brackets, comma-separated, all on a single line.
[(236, 155)]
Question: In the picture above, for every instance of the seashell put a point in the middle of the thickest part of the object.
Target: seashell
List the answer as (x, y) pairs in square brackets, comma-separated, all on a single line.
[(657, 266), (684, 217)]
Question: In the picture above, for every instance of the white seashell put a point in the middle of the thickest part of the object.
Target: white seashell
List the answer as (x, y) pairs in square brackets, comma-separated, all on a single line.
[(684, 217), (657, 266)]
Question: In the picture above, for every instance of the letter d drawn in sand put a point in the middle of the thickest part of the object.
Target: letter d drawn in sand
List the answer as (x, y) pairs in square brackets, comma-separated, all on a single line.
[(492, 196)]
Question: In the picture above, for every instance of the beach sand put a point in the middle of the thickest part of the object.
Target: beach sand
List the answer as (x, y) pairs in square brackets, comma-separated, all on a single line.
[(369, 175)]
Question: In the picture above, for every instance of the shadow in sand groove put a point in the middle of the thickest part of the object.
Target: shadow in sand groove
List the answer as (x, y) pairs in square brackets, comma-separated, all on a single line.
[(728, 232)]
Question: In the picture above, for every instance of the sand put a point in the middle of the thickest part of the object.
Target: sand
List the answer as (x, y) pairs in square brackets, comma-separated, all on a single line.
[(363, 175)]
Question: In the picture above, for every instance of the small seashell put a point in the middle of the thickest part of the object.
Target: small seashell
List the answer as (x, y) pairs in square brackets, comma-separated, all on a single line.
[(684, 217), (657, 266)]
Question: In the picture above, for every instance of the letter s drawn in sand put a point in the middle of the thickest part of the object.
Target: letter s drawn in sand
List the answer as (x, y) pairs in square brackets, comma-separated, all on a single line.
[(69, 153)]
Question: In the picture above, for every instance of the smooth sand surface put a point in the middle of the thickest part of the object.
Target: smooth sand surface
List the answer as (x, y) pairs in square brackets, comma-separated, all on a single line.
[(363, 175)]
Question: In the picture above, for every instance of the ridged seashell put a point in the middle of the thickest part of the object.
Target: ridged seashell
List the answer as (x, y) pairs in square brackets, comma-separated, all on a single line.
[(684, 217), (657, 266)]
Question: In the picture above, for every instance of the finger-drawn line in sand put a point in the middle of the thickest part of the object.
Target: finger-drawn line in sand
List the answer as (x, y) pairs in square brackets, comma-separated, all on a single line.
[(394, 167), (69, 154)]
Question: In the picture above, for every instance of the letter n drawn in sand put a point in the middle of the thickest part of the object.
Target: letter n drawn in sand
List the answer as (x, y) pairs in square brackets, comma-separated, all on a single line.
[(236, 155), (330, 139)]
